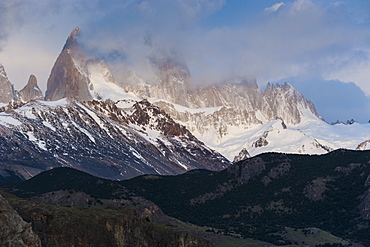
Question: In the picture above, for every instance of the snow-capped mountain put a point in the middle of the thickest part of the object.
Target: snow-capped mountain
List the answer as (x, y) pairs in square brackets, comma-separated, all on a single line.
[(364, 145), (119, 127), (223, 131), (228, 117), (233, 113), (99, 138)]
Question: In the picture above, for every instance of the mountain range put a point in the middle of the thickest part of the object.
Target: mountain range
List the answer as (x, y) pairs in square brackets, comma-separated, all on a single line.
[(110, 156), (120, 125)]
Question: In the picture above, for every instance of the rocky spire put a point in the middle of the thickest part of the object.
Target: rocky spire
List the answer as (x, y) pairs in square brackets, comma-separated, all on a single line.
[(31, 91), (6, 88), (68, 77)]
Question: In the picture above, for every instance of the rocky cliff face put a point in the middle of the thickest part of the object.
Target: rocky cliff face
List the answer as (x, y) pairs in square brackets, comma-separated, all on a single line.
[(96, 224), (78, 76), (284, 102), (243, 154), (14, 231), (68, 78), (244, 103), (240, 94), (31, 91), (223, 114), (6, 88), (171, 82)]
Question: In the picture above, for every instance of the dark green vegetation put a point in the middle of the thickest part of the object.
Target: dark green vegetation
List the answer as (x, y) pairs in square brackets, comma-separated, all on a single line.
[(260, 198), (71, 179)]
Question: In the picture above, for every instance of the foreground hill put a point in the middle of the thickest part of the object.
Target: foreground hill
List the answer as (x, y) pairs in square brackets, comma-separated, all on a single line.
[(264, 198), (261, 196)]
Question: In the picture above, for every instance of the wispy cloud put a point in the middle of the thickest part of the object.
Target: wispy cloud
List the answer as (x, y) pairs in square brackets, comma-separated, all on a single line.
[(274, 7)]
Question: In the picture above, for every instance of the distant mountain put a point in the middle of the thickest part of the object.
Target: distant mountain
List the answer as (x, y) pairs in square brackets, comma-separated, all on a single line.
[(31, 91), (235, 116), (226, 117), (179, 126), (79, 76), (99, 138), (9, 95), (283, 199)]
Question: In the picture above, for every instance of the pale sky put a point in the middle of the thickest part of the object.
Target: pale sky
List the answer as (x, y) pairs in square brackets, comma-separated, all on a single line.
[(321, 47)]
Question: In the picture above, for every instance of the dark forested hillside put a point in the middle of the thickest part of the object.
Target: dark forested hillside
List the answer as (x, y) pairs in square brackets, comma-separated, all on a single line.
[(260, 198)]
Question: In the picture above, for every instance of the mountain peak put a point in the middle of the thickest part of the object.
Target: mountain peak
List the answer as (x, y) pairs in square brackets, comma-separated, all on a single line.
[(32, 81), (72, 39), (74, 32), (31, 91), (6, 88), (68, 78), (273, 86), (284, 88), (287, 103)]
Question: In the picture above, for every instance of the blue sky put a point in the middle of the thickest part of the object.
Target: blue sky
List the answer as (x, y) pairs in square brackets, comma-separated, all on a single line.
[(321, 47)]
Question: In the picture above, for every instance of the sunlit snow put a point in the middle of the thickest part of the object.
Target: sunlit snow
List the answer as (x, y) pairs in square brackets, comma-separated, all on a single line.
[(6, 119), (41, 144), (61, 102), (102, 85)]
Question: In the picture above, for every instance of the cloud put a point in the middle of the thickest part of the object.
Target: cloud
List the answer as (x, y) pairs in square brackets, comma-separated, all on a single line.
[(334, 99), (131, 33), (19, 67), (9, 18), (300, 38), (274, 7), (352, 67), (301, 5)]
